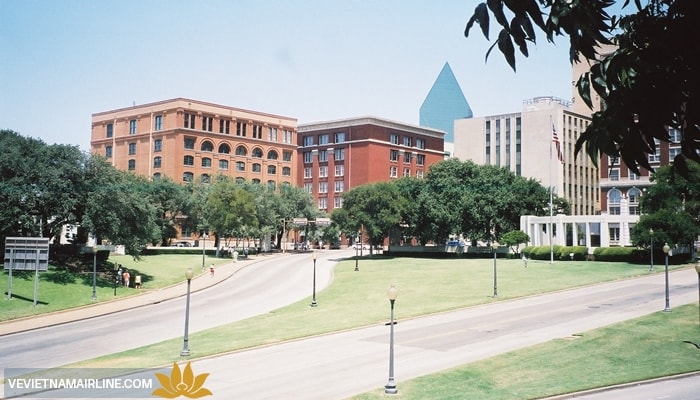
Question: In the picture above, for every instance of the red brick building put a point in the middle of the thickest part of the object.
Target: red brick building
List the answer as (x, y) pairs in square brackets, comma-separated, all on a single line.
[(336, 156)]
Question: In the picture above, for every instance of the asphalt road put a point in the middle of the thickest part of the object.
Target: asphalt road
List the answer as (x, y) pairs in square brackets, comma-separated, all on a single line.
[(256, 289)]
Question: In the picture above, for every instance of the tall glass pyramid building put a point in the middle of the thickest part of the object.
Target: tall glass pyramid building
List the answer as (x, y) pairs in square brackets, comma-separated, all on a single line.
[(444, 104)]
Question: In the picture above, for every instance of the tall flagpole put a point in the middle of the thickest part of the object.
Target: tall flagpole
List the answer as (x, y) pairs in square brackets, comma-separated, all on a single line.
[(551, 191)]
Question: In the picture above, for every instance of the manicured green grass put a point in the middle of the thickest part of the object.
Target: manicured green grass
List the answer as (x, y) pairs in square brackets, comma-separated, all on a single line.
[(359, 299), (639, 349), (59, 290)]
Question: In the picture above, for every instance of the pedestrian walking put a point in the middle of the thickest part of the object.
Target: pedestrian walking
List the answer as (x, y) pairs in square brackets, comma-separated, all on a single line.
[(127, 277), (211, 271)]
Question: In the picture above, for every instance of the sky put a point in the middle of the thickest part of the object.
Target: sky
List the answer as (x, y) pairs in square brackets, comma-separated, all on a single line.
[(63, 61)]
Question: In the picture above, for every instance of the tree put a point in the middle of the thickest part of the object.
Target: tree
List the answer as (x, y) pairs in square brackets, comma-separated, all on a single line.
[(230, 209), (170, 200), (376, 207), (514, 239), (648, 84)]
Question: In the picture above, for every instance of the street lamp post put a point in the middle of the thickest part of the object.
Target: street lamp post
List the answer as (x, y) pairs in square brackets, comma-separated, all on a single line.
[(116, 277), (204, 247), (390, 387), (495, 273), (313, 299), (697, 269), (666, 250), (357, 242), (94, 273), (186, 339), (651, 258)]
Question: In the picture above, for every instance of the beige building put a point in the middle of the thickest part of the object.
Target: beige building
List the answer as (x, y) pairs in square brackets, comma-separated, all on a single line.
[(523, 143), (184, 139)]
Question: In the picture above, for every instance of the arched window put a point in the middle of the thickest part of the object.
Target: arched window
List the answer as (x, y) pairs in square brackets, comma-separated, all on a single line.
[(157, 162), (224, 148), (156, 176), (240, 179), (256, 181), (257, 153), (132, 165), (271, 169), (614, 198), (207, 146), (272, 155), (241, 151), (633, 197)]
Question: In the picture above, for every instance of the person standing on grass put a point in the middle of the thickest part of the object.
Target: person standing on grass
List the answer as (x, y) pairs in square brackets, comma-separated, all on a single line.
[(211, 271), (127, 277)]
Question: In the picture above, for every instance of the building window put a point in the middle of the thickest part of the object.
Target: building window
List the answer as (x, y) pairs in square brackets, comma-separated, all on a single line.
[(286, 156), (419, 174), (420, 159), (158, 123), (420, 143), (323, 187), (110, 130), (207, 146), (633, 197), (272, 135), (339, 154), (188, 177), (256, 181), (322, 155), (339, 137), (257, 168), (206, 162), (132, 148), (108, 151), (339, 186), (272, 184), (323, 203), (223, 164), (156, 176), (614, 231), (614, 197), (257, 131), (188, 161), (157, 162), (287, 136), (308, 157), (309, 187), (206, 178), (224, 148), (272, 155), (240, 166), (132, 165), (286, 171), (224, 126), (393, 172), (614, 174), (241, 151), (323, 172), (189, 143), (308, 173), (675, 135), (407, 141), (158, 145), (189, 120), (308, 141), (394, 138), (673, 152), (323, 139), (340, 170), (207, 123), (272, 169), (241, 129), (132, 127), (257, 153), (393, 155), (338, 202), (407, 158), (406, 172)]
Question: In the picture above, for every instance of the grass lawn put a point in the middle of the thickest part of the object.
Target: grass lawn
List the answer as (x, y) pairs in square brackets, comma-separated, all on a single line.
[(426, 286), (639, 349), (61, 290)]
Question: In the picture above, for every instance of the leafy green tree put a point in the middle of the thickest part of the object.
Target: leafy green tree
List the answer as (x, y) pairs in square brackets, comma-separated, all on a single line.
[(648, 84), (377, 208), (230, 209), (294, 202), (171, 200), (514, 239)]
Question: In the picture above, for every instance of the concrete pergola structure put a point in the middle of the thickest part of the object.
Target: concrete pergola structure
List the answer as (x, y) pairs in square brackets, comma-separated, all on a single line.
[(592, 231)]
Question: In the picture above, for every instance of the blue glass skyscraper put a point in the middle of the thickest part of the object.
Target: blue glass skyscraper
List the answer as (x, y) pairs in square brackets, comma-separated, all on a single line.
[(444, 104)]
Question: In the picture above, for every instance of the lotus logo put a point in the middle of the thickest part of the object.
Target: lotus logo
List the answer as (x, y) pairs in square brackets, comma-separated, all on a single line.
[(181, 384)]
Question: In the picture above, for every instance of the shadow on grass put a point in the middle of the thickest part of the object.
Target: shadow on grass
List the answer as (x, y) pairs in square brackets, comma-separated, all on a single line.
[(14, 296)]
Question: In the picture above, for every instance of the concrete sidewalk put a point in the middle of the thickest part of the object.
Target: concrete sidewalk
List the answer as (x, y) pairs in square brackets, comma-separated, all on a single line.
[(146, 296)]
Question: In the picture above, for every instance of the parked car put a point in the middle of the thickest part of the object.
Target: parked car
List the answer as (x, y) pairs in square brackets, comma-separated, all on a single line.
[(181, 244), (356, 246)]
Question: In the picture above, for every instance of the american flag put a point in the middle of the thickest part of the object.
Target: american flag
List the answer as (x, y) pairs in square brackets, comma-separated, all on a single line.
[(557, 144)]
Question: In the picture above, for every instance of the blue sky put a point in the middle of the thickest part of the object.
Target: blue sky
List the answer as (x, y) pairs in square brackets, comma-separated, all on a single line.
[(64, 60)]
